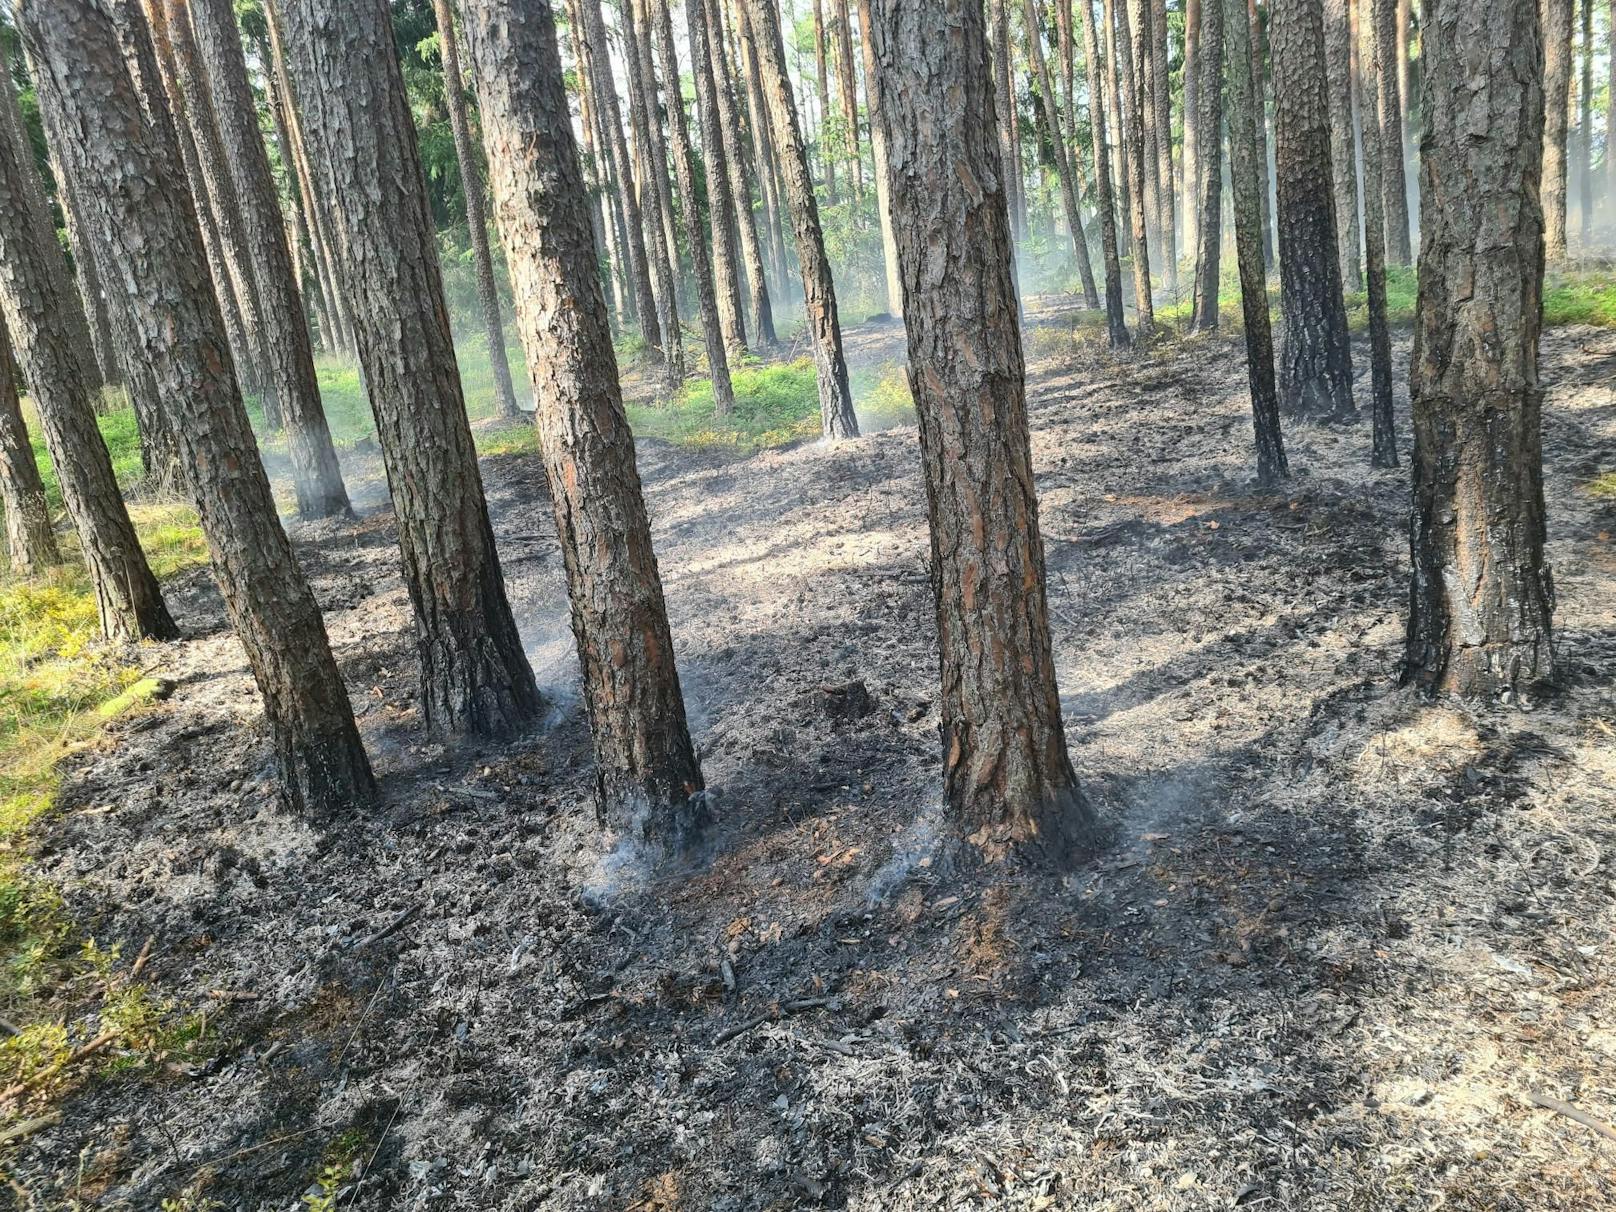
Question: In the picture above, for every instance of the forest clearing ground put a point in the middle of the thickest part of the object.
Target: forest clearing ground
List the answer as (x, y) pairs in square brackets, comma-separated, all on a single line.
[(1343, 935)]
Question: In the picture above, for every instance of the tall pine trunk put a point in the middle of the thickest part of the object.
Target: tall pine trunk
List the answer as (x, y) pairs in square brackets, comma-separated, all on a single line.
[(1482, 597), (475, 676), (1005, 105), (1315, 368), (1384, 447), (1008, 781), (720, 201), (1209, 163), (288, 352), (1259, 97), (1116, 323), (1343, 146), (878, 149), (132, 187), (1131, 102), (471, 186), (35, 301), (1585, 127), (645, 766), (30, 542), (1189, 150), (1394, 182), (836, 415), (1161, 102), (847, 92), (1246, 185), (1062, 153), (827, 144)]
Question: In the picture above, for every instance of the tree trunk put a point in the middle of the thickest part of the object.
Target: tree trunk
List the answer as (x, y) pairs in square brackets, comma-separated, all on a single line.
[(1129, 100), (135, 199), (1163, 108), (763, 143), (471, 185), (1482, 596), (97, 315), (288, 355), (1343, 147), (610, 116), (684, 164), (1121, 169), (1315, 368), (720, 201), (878, 147), (1008, 781), (1063, 160), (35, 301), (1610, 106), (192, 105), (1245, 185), (1209, 163), (29, 539), (474, 674), (1066, 54), (1005, 106), (1384, 451), (1115, 322), (648, 130), (1259, 96), (1144, 67), (827, 150), (837, 419), (595, 143), (729, 126), (846, 86), (1585, 128), (1189, 151), (1405, 79), (646, 773), (1383, 20)]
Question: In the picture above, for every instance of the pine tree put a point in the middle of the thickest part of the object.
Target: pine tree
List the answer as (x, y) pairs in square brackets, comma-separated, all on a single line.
[(30, 542), (1209, 163)]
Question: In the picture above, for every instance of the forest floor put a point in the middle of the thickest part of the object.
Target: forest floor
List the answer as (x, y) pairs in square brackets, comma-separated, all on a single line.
[(1346, 950)]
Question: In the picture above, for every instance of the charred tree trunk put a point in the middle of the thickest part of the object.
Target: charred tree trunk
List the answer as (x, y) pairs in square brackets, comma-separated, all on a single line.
[(1008, 781), (471, 185), (720, 201), (1062, 152), (133, 194), (1130, 102), (646, 771), (1209, 163), (1394, 183), (837, 419), (1315, 369), (1115, 321), (1482, 597), (740, 189), (288, 354), (35, 301), (684, 164), (1245, 183), (29, 539), (1384, 452), (1343, 147), (474, 673)]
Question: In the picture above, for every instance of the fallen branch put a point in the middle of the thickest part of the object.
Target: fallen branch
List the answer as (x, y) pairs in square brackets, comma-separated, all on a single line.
[(1571, 1112), (392, 927), (28, 1127), (44, 1075)]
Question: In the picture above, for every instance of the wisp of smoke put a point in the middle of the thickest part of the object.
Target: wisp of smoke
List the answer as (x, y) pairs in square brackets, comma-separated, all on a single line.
[(917, 843)]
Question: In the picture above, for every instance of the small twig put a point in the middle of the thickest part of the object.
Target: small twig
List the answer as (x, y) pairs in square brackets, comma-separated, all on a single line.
[(359, 1182), (392, 927), (73, 1058), (28, 1127), (741, 1028), (1571, 1112), (140, 960)]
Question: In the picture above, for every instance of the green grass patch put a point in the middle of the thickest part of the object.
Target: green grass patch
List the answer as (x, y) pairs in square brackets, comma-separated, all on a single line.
[(1603, 487)]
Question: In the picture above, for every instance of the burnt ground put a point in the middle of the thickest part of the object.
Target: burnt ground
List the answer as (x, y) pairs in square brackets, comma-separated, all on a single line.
[(1341, 940)]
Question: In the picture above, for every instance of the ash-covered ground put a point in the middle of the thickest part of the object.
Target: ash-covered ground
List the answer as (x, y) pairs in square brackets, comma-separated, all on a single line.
[(1343, 939)]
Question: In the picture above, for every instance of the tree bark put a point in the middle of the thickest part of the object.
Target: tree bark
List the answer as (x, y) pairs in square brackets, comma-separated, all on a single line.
[(35, 302), (720, 201), (684, 164), (847, 88), (1343, 146), (648, 134), (607, 192), (1259, 96), (1063, 160), (1245, 185), (133, 194), (87, 274), (29, 539), (1610, 106), (729, 126), (1008, 781), (646, 772), (288, 354), (1189, 150), (1482, 597), (1209, 163), (1162, 103), (837, 419), (1115, 322), (1315, 368), (1384, 450), (1131, 104), (610, 116), (474, 673), (1005, 105), (1117, 123), (471, 185), (305, 262), (763, 143), (1394, 183), (827, 151), (1585, 128), (192, 105), (878, 148)]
